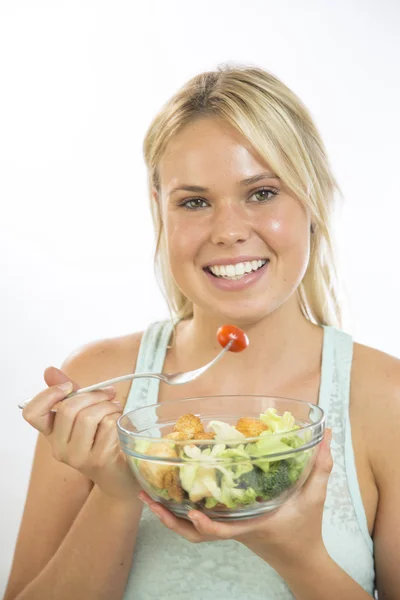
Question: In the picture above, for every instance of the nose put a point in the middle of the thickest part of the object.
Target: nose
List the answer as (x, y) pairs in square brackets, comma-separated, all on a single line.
[(230, 226)]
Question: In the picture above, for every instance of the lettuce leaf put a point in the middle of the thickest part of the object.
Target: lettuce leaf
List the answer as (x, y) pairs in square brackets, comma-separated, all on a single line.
[(276, 423), (225, 433)]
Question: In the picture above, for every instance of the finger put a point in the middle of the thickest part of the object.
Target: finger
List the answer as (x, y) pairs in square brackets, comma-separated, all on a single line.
[(38, 411), (168, 519), (71, 407), (208, 528), (223, 531), (54, 376), (324, 461), (205, 526), (315, 488), (85, 429), (106, 439)]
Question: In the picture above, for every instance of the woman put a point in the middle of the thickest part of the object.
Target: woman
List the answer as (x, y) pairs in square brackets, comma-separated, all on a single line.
[(237, 173)]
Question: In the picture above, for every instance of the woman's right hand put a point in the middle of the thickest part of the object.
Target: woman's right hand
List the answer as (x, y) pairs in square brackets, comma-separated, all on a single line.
[(83, 433)]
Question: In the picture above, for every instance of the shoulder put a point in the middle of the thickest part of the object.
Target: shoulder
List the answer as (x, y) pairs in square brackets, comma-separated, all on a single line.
[(103, 359), (375, 372), (375, 402), (101, 350), (375, 394)]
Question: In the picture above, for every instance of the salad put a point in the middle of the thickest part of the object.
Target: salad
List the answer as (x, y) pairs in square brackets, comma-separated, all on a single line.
[(235, 471)]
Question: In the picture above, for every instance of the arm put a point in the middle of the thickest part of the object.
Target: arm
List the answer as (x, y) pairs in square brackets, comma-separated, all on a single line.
[(376, 384), (382, 426), (94, 559), (320, 579), (62, 514), (288, 539)]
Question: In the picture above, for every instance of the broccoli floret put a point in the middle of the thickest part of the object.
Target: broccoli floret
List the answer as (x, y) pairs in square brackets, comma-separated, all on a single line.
[(277, 480), (270, 484), (252, 479), (297, 462)]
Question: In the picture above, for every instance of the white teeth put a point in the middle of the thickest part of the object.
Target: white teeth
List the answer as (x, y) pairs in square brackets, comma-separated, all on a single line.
[(247, 267), (239, 269), (235, 272)]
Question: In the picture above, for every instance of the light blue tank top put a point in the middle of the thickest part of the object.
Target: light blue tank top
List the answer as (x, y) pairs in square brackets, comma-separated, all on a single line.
[(166, 566)]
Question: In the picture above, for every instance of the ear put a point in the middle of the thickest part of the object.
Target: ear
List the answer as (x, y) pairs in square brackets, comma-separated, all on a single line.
[(157, 201)]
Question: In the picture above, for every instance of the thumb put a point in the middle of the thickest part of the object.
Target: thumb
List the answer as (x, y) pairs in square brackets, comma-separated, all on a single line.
[(316, 485), (324, 462), (54, 376)]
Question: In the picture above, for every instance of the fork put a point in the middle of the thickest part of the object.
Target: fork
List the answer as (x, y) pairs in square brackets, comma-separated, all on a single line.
[(169, 378)]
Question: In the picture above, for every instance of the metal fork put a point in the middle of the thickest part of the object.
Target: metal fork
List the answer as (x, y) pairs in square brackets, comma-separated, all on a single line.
[(170, 378)]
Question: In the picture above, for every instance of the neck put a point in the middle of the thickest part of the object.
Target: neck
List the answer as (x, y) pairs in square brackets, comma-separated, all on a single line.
[(281, 342)]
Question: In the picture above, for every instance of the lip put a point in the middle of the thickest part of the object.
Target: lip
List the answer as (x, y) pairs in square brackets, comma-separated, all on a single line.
[(233, 261), (232, 285)]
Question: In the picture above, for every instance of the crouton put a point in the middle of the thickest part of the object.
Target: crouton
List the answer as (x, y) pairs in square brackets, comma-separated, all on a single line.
[(155, 473), (250, 427), (178, 436), (190, 425), (204, 435), (173, 485)]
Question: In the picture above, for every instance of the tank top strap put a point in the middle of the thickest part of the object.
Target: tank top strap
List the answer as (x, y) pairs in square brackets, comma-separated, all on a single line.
[(327, 367), (334, 399), (151, 356), (337, 357), (334, 392)]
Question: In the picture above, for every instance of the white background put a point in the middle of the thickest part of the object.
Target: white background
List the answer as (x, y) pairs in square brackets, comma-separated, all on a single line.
[(80, 82)]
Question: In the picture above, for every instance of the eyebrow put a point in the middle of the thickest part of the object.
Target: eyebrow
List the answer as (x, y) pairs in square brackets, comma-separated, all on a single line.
[(243, 183)]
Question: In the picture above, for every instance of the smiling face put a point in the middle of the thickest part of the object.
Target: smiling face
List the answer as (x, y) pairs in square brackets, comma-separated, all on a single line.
[(238, 241)]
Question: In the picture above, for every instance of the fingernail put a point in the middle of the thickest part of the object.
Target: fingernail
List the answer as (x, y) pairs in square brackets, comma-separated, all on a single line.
[(116, 403), (194, 517), (66, 387), (109, 389)]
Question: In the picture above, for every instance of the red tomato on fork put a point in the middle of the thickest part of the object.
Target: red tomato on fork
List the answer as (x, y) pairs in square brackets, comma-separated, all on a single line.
[(226, 333)]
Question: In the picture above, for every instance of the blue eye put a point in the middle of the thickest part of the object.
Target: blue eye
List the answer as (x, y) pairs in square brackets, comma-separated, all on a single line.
[(194, 203), (265, 194)]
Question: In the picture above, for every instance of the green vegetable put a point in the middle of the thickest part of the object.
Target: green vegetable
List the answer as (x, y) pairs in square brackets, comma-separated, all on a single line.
[(271, 484), (298, 462), (253, 480), (162, 493), (266, 445), (187, 474), (277, 480), (233, 473), (234, 496), (210, 502), (224, 432), (276, 423)]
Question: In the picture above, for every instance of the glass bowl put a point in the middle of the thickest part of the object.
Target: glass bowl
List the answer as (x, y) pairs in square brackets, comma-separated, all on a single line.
[(224, 478)]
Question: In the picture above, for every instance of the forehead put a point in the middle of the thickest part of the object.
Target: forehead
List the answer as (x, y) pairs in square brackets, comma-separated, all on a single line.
[(208, 150)]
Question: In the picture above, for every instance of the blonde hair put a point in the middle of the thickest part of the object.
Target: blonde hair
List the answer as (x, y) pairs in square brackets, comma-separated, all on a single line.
[(279, 127)]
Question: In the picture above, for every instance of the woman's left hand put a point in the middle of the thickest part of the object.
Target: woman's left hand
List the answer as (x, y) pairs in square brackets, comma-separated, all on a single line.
[(278, 537)]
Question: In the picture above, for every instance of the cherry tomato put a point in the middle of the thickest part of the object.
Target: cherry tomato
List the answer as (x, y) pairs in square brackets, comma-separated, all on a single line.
[(226, 333)]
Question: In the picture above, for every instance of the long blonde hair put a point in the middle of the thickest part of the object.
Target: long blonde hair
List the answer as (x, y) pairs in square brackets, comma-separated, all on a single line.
[(281, 130)]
